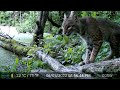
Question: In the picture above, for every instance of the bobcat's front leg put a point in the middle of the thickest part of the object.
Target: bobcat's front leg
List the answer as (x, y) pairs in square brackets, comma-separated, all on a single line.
[(91, 52), (95, 50)]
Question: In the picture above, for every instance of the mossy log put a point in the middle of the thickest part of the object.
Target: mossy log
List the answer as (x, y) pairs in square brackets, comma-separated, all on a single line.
[(10, 40), (16, 47)]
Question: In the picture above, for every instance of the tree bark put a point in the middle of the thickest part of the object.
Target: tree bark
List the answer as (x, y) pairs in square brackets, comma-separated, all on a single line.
[(38, 35), (50, 25)]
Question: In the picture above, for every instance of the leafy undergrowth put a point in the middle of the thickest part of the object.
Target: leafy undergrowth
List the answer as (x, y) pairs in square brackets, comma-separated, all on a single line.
[(67, 50), (70, 50)]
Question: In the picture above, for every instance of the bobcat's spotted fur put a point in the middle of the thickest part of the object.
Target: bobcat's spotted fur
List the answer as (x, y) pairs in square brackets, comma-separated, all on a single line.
[(94, 32)]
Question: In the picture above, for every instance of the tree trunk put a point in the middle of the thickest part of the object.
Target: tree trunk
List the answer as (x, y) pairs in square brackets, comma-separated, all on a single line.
[(38, 35), (50, 25)]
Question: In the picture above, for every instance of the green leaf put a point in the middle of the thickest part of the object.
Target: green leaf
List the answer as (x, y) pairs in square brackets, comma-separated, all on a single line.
[(66, 39), (69, 50), (37, 64), (105, 50), (16, 61), (84, 13), (93, 14), (59, 37)]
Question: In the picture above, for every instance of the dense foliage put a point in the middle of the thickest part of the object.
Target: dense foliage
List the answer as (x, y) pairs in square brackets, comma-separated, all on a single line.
[(23, 20)]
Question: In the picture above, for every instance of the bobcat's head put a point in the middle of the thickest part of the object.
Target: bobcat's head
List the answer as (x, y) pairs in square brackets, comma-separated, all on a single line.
[(70, 24)]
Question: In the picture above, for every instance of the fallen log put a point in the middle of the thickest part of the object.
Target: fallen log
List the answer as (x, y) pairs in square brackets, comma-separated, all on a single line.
[(16, 47), (103, 69), (8, 39), (54, 64)]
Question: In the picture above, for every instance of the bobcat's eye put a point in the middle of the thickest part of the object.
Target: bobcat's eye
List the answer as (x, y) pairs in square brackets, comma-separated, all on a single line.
[(69, 27)]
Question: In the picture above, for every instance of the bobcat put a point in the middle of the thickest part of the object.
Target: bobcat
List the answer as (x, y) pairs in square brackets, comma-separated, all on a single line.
[(94, 32)]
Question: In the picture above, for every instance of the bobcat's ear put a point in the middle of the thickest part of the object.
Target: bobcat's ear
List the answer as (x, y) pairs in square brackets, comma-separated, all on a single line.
[(72, 13), (76, 18), (65, 16)]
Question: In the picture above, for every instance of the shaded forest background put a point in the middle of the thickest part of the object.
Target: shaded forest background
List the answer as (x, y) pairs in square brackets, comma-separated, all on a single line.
[(25, 20)]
